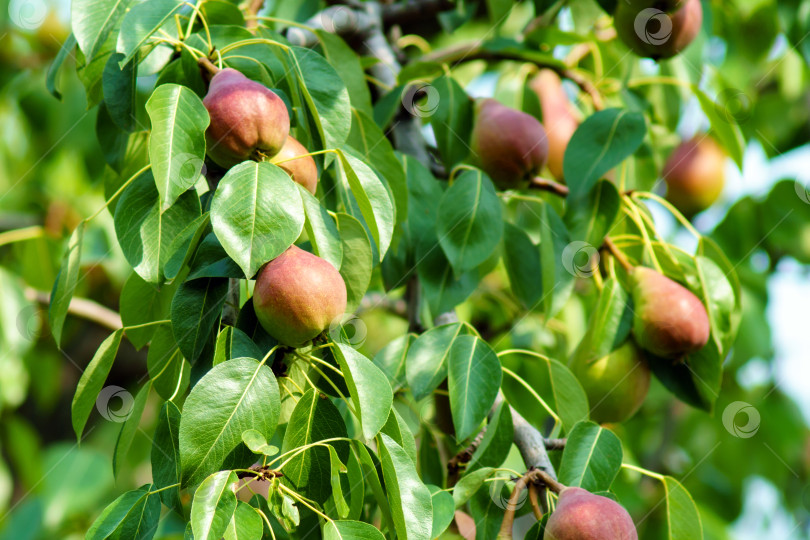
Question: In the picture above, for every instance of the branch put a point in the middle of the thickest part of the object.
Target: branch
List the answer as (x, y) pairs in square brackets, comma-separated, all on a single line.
[(555, 444), (253, 9), (530, 443), (616, 252), (81, 307), (561, 190)]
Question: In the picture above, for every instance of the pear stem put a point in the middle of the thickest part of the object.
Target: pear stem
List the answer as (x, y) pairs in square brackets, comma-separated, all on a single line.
[(551, 186), (539, 476), (538, 506), (208, 65), (509, 516), (616, 252)]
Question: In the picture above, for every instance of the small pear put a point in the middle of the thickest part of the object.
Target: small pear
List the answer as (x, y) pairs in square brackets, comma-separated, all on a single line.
[(616, 384), (297, 162), (297, 296), (669, 320), (247, 118), (511, 146), (559, 118), (695, 174), (657, 33), (581, 515)]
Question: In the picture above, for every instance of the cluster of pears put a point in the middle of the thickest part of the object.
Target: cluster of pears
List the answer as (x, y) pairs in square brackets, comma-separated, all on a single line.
[(668, 323), (512, 146), (581, 515), (658, 29), (297, 294)]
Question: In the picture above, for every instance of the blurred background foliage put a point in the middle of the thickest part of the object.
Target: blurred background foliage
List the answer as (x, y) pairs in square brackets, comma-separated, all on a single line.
[(752, 55)]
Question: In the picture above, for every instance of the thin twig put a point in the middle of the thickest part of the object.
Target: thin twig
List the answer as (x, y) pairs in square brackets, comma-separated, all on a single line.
[(81, 307), (617, 253), (551, 186)]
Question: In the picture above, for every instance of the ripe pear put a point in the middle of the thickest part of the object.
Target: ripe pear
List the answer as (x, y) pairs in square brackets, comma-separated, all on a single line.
[(655, 33), (301, 169), (668, 319), (559, 118), (297, 296), (247, 118), (581, 515), (616, 384), (510, 146), (695, 174)]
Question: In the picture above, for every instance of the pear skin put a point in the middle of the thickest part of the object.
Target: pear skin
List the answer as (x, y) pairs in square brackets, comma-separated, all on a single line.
[(581, 515), (669, 320), (246, 118), (301, 167), (656, 33), (695, 174), (297, 296), (510, 146), (559, 118)]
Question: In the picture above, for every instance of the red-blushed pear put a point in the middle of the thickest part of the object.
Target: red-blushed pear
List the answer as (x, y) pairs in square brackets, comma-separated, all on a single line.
[(559, 118), (297, 296), (509, 145), (668, 319), (581, 515), (695, 174), (655, 33), (295, 159), (616, 384), (247, 118)]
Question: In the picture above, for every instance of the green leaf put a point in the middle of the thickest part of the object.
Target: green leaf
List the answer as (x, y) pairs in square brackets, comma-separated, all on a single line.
[(351, 530), (257, 213), (336, 467), (347, 64), (444, 509), (356, 266), (165, 457), (600, 143), (93, 20), (322, 230), (370, 392), (473, 380), (196, 307), (142, 303), (469, 484), (470, 222), (233, 343), (368, 139), (129, 428), (167, 368), (610, 323), (213, 506), (444, 291), (391, 360), (556, 263), (135, 515), (92, 381), (452, 121), (522, 261), (65, 284), (140, 22), (591, 459), (590, 222), (370, 469), (118, 84), (232, 397), (314, 419), (371, 197), (53, 70), (719, 298), (683, 518), (409, 498), (728, 133), (426, 362), (246, 523), (487, 509), (497, 440), (258, 444), (398, 429), (696, 380), (177, 141), (145, 234), (325, 96)]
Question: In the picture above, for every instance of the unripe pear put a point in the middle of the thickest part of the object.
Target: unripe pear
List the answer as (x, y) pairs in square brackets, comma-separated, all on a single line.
[(559, 119), (581, 515), (295, 159), (668, 319), (616, 384), (247, 118), (297, 296), (655, 33), (510, 145), (695, 174)]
